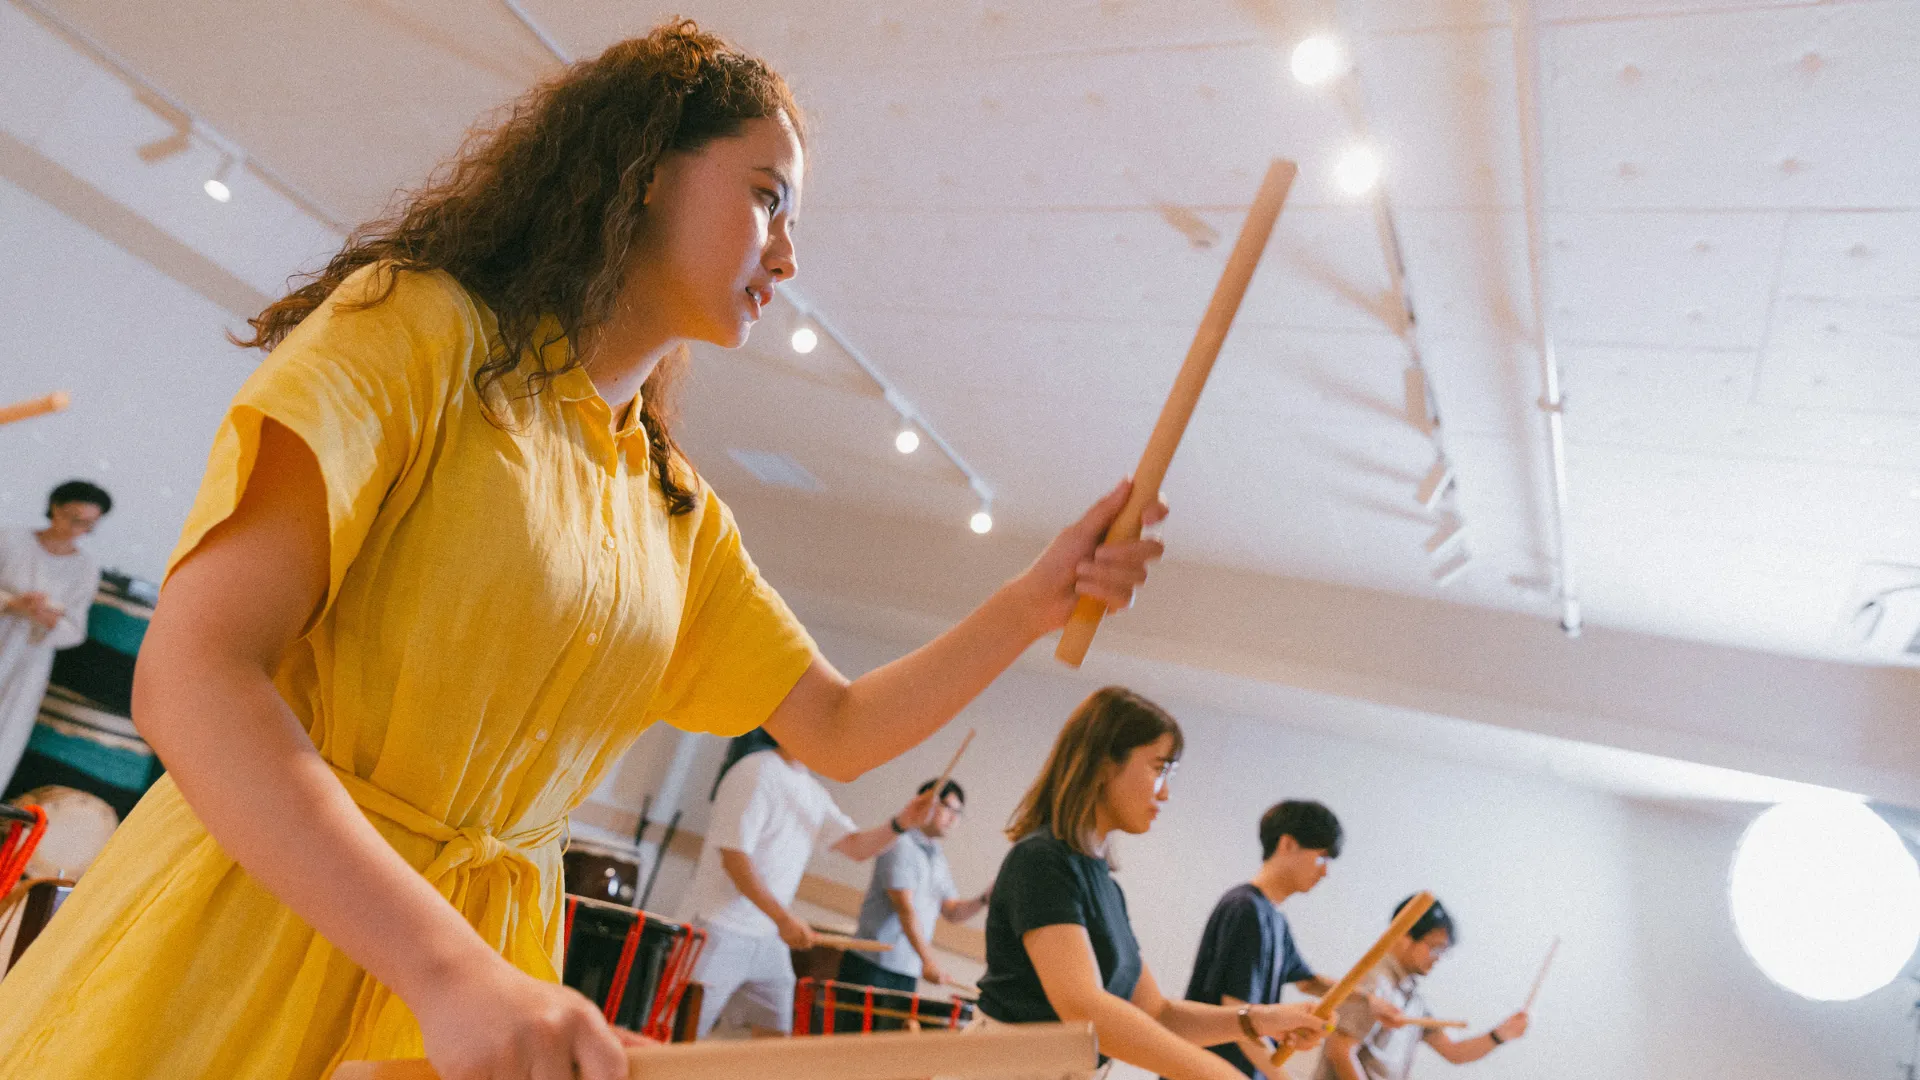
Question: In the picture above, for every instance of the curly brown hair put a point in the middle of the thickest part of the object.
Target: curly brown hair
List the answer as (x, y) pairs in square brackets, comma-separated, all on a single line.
[(537, 215)]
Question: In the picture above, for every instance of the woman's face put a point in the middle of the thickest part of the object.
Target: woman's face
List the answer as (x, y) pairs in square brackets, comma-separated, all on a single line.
[(1136, 787), (718, 232)]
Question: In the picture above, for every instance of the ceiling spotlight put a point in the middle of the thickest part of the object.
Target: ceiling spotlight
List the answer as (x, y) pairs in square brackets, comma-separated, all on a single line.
[(1318, 59), (907, 441), (804, 340), (1452, 529), (981, 522), (1419, 402), (1439, 479), (216, 185), (1448, 572), (1358, 170)]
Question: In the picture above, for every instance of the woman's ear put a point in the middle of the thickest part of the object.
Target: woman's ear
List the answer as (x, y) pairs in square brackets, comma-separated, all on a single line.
[(1103, 776)]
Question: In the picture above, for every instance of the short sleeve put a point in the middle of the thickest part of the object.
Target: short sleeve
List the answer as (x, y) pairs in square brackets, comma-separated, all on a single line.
[(742, 807), (1039, 889), (1293, 967), (1355, 1016), (943, 884), (1240, 964), (895, 868), (835, 825), (364, 387), (740, 649)]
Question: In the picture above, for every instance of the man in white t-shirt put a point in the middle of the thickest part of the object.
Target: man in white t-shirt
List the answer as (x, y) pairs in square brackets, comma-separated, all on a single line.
[(768, 814)]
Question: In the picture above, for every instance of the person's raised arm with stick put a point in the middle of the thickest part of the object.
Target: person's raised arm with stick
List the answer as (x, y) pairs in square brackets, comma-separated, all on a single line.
[(447, 562), (912, 887), (1360, 1048)]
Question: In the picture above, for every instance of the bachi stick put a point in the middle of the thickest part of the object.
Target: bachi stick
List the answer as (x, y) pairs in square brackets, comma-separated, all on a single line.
[(1174, 415), (1401, 926)]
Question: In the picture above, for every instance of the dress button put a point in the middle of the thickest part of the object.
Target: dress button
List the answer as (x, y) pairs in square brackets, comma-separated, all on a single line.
[(607, 543), (593, 639), (540, 736)]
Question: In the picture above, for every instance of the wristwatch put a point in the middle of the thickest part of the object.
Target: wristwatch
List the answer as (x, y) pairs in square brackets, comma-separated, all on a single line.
[(1246, 1023), (1495, 1036), (894, 824)]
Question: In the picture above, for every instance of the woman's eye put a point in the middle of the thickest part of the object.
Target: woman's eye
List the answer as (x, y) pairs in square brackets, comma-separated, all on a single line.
[(772, 199)]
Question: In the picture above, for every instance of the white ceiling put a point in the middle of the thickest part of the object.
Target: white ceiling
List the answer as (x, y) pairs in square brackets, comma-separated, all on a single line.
[(1734, 219), (998, 214)]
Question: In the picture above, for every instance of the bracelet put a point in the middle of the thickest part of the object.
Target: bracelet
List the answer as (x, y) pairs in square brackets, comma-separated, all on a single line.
[(894, 824), (1246, 1023), (1495, 1036)]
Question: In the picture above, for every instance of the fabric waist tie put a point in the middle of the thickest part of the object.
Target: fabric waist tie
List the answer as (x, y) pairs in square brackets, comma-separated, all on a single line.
[(491, 880)]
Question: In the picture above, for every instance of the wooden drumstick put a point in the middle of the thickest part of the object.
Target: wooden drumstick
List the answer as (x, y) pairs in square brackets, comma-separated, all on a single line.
[(940, 785), (40, 406), (1402, 924), (1431, 1024), (849, 944), (1542, 977), (1054, 1050), (1178, 410)]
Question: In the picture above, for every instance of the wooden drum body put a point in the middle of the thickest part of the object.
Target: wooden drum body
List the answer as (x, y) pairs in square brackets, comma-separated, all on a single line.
[(635, 966)]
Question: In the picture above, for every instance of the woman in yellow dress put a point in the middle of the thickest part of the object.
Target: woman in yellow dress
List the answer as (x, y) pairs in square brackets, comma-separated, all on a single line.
[(446, 564)]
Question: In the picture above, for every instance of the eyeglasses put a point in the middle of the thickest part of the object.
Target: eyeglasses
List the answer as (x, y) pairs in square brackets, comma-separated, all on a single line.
[(1164, 775)]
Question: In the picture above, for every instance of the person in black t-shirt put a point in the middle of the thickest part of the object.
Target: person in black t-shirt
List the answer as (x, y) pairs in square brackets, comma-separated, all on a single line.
[(1247, 952), (1059, 943)]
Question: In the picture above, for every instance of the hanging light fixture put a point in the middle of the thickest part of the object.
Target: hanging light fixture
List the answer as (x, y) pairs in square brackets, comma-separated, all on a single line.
[(216, 185)]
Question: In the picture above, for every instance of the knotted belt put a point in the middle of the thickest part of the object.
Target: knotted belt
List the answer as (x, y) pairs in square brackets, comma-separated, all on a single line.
[(492, 880)]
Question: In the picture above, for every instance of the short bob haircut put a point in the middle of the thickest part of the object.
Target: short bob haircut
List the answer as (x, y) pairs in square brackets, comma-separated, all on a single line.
[(79, 491), (1107, 727), (1311, 825)]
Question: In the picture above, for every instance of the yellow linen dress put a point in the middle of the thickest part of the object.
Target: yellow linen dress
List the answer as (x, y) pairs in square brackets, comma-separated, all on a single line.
[(510, 605)]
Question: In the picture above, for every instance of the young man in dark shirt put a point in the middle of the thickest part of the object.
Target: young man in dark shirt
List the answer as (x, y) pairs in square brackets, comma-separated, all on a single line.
[(1247, 952)]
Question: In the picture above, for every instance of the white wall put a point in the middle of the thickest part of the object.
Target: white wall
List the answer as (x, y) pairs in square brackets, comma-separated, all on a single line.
[(146, 363), (1648, 983)]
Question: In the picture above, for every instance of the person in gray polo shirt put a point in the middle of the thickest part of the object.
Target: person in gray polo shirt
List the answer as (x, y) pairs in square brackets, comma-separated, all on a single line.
[(911, 887)]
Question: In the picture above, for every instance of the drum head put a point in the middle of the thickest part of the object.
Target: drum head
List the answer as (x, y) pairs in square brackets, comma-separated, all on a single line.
[(78, 825)]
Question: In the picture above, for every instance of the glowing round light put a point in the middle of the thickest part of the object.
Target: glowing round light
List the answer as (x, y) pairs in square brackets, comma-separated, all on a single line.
[(1357, 170), (1825, 899), (217, 191), (804, 340), (981, 522), (1318, 59), (907, 441)]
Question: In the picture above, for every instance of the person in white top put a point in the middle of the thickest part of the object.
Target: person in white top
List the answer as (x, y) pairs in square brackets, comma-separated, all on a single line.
[(46, 588), (769, 813)]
